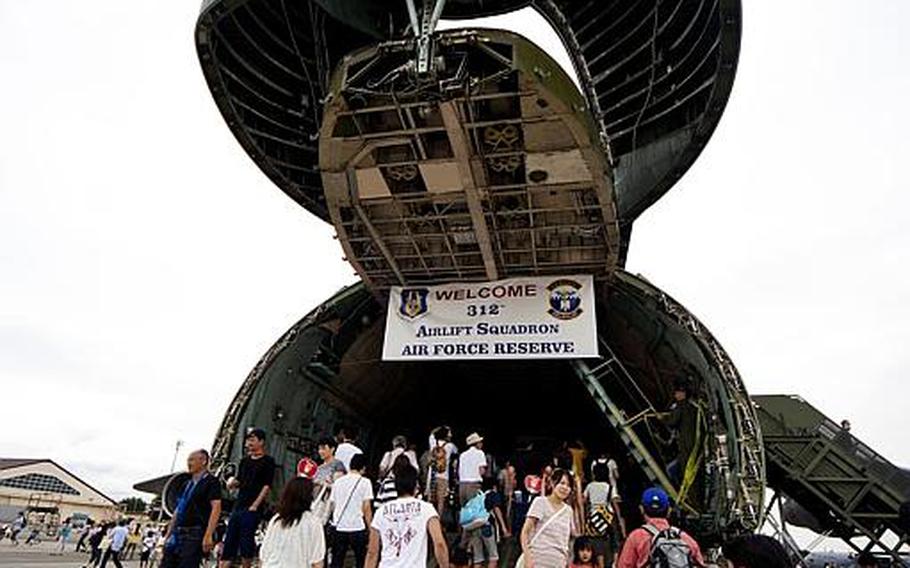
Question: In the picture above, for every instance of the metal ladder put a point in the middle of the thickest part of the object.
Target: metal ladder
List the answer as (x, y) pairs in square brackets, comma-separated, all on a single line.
[(747, 477), (593, 379)]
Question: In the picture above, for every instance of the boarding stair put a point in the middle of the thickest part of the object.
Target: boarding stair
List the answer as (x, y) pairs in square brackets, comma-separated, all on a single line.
[(853, 492), (610, 373)]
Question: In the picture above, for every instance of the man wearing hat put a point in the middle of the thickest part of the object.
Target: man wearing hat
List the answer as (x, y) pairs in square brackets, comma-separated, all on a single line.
[(657, 535), (472, 466), (253, 482)]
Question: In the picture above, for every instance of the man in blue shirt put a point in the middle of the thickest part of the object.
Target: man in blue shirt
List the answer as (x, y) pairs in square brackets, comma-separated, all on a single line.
[(118, 542)]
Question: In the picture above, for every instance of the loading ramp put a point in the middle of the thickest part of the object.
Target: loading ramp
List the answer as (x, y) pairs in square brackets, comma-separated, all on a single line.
[(854, 493)]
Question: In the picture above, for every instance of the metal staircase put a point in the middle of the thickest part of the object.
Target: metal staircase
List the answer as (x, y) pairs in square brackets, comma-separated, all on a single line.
[(853, 492), (612, 372)]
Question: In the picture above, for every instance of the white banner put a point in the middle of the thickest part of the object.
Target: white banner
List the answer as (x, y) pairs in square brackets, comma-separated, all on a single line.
[(550, 317)]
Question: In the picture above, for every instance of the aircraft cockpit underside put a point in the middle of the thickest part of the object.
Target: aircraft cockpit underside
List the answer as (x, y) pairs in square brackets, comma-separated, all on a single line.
[(489, 166)]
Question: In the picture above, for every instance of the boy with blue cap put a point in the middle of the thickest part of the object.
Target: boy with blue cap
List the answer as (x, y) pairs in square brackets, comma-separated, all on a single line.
[(657, 537)]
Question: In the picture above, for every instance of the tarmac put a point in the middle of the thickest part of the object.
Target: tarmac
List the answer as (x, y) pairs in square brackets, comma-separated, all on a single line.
[(45, 555)]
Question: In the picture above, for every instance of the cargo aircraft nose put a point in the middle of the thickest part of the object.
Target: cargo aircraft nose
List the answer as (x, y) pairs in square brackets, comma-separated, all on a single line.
[(469, 156)]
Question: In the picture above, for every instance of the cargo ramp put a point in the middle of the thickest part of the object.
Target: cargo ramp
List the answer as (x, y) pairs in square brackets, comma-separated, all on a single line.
[(842, 487)]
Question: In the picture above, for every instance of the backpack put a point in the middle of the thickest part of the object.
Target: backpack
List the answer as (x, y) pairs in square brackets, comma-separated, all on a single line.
[(600, 515), (599, 520), (439, 458), (474, 514), (668, 549)]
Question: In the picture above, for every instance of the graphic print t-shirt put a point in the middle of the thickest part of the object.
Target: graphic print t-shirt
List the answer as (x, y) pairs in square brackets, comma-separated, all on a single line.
[(402, 526)]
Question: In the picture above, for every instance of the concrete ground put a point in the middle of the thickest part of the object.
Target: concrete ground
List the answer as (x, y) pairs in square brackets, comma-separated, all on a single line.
[(45, 555)]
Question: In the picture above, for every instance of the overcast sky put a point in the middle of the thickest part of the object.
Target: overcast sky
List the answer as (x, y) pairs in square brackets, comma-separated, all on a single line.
[(146, 263)]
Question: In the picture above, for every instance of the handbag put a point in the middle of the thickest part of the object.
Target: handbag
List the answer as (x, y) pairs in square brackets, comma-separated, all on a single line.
[(520, 563), (321, 506)]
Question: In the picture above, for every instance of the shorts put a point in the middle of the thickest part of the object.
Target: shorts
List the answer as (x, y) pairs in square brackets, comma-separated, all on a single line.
[(240, 536), (482, 547)]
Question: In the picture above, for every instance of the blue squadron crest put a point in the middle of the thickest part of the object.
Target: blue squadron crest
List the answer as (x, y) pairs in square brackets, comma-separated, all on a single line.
[(565, 299), (413, 302)]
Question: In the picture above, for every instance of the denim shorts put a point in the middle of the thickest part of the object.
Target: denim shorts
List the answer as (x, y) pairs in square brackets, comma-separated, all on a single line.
[(240, 536)]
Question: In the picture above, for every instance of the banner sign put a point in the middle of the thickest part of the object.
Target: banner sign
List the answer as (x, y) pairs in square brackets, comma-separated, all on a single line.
[(550, 317)]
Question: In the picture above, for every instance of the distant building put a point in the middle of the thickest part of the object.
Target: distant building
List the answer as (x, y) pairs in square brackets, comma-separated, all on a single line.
[(49, 493)]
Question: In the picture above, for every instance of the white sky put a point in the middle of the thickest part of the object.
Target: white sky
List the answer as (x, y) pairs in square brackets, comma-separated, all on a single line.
[(146, 263)]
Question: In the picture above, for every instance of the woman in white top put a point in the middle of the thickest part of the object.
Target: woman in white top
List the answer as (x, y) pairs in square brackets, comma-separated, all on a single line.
[(399, 447), (550, 525), (294, 538)]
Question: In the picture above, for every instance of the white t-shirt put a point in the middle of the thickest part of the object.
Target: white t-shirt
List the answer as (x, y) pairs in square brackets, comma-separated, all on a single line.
[(469, 465), (300, 545), (348, 494), (402, 526), (345, 451), (389, 458), (599, 493)]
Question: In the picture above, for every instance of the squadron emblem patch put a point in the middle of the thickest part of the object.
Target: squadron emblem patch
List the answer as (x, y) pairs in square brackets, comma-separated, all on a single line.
[(564, 298), (413, 302)]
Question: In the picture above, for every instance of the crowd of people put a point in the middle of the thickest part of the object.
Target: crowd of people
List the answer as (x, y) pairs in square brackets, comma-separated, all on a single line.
[(459, 507), (462, 506), (104, 542), (117, 541)]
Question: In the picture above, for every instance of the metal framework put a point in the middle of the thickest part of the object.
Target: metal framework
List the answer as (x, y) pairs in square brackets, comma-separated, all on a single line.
[(321, 365), (853, 491), (656, 76), (608, 375), (747, 455), (492, 168)]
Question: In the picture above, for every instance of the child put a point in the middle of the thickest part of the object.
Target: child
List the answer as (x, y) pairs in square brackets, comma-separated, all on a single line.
[(584, 554), (148, 544)]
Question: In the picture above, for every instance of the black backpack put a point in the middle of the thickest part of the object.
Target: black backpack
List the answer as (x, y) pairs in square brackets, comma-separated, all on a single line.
[(668, 549)]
